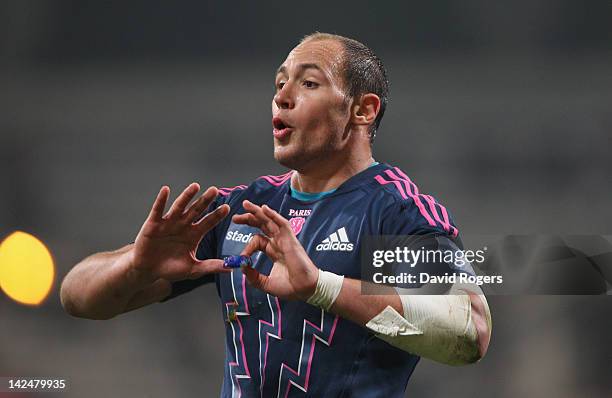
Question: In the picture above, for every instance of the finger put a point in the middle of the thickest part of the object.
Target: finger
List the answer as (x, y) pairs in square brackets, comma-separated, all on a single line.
[(201, 204), (255, 278), (205, 267), (251, 218), (267, 225), (254, 221), (279, 220), (157, 210), (257, 243), (250, 206), (182, 200), (246, 219), (213, 218)]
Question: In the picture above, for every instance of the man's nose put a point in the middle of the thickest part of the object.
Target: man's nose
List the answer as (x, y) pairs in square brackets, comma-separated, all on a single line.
[(284, 97)]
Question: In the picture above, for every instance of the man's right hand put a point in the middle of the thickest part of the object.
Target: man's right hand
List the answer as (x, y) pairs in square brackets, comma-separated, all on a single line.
[(166, 244), (106, 284)]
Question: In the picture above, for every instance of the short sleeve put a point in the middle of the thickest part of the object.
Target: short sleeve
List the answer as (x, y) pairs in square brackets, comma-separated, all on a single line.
[(418, 216), (428, 231)]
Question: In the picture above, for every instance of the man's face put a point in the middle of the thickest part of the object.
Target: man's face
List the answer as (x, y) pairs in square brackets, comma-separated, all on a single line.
[(309, 112)]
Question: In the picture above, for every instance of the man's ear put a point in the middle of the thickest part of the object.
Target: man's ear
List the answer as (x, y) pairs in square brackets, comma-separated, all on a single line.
[(365, 109)]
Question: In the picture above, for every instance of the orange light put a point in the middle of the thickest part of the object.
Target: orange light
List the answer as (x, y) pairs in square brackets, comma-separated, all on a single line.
[(26, 268)]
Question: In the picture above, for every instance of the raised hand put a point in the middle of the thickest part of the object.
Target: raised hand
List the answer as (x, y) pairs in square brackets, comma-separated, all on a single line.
[(293, 276), (166, 244)]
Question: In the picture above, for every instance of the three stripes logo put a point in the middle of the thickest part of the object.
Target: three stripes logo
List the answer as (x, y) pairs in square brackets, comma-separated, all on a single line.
[(338, 241)]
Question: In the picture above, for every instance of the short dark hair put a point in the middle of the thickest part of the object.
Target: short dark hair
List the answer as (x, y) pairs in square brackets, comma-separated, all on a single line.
[(363, 73)]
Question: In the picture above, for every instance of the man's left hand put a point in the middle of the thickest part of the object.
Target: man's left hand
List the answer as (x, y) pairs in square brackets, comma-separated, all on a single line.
[(293, 276)]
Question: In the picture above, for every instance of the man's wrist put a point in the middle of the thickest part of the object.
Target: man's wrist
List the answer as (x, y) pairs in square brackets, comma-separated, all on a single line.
[(327, 290), (135, 276)]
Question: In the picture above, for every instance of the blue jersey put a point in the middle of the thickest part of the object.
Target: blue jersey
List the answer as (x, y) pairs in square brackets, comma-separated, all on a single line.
[(280, 348)]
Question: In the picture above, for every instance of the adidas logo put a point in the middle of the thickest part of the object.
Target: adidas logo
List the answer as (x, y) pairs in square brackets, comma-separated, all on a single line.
[(338, 241)]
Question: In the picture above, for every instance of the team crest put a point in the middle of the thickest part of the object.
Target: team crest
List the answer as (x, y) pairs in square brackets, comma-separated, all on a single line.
[(296, 224)]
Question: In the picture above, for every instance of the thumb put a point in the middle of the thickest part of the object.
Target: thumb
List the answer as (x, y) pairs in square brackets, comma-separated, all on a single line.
[(204, 267), (255, 278), (258, 243)]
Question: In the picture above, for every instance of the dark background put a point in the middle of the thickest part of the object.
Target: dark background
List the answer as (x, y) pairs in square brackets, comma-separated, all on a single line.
[(500, 110)]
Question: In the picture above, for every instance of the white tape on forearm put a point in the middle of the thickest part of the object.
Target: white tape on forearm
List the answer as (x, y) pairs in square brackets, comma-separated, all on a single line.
[(437, 327), (328, 289)]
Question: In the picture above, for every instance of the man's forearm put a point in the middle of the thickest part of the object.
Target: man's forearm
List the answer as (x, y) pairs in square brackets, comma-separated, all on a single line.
[(352, 304), (105, 284)]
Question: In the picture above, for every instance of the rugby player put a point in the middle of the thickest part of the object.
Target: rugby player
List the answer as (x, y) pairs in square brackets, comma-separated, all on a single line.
[(297, 321)]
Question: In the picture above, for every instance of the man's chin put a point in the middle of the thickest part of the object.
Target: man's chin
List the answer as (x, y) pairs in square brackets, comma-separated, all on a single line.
[(283, 156), (288, 157)]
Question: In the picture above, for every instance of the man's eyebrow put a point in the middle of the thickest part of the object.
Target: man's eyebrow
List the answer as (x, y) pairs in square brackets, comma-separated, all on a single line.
[(301, 68)]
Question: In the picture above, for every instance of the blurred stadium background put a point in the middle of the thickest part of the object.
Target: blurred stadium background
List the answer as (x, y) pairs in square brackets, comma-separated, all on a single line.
[(502, 111)]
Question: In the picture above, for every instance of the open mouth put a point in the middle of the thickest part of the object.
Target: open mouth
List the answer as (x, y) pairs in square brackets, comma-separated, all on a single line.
[(279, 124), (280, 128)]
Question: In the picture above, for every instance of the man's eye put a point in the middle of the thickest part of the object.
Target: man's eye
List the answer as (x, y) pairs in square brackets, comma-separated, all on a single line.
[(279, 85), (310, 84)]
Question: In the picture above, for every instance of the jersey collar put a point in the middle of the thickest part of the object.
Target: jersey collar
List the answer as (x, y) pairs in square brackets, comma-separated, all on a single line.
[(352, 183)]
